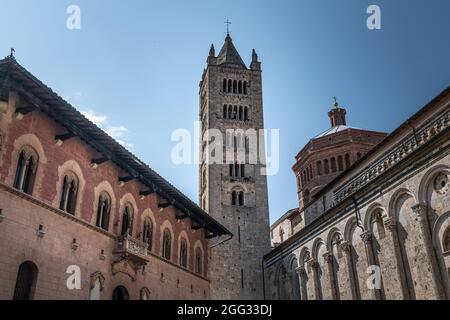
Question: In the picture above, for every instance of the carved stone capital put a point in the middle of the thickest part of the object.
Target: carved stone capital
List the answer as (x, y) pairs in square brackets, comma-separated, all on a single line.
[(301, 270), (390, 223), (420, 210), (346, 246), (313, 263), (367, 236), (328, 257)]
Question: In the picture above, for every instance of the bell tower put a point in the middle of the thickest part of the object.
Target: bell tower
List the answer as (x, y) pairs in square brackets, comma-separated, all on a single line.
[(234, 191)]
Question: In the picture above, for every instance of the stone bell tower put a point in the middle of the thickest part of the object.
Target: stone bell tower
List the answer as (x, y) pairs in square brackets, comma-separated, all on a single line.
[(234, 192)]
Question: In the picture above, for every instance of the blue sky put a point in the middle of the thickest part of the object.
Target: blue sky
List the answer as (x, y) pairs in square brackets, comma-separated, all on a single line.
[(136, 66)]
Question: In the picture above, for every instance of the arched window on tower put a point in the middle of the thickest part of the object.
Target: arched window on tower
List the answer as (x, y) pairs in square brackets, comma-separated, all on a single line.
[(241, 115), (147, 233), (326, 166), (240, 86), (340, 163), (237, 170), (233, 198), (241, 198), (347, 161), (242, 170), (26, 170), (234, 86), (183, 253), (231, 173), (224, 88), (333, 164), (103, 209), (69, 193), (224, 111), (230, 111), (319, 168), (235, 111), (230, 85), (26, 281), (127, 220), (198, 261), (166, 245), (246, 114), (245, 87)]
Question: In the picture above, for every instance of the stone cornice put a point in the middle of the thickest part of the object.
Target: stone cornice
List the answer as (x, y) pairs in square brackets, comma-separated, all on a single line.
[(397, 154)]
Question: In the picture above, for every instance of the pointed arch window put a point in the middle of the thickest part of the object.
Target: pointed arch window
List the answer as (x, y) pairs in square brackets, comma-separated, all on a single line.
[(103, 210), (166, 245), (26, 170), (147, 233), (127, 220), (69, 193), (183, 253), (26, 281), (198, 261)]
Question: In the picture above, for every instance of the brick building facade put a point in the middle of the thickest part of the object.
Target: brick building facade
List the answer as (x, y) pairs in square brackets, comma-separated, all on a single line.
[(72, 196)]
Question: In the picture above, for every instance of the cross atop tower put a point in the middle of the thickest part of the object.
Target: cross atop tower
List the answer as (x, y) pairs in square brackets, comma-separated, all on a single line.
[(335, 104), (228, 22)]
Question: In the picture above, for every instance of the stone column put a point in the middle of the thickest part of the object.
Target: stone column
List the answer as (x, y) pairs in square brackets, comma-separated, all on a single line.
[(317, 286), (347, 249), (301, 271), (391, 225), (332, 275), (427, 249), (367, 237)]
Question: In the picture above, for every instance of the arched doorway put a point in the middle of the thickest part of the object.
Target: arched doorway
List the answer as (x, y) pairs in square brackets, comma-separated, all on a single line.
[(26, 281), (120, 293)]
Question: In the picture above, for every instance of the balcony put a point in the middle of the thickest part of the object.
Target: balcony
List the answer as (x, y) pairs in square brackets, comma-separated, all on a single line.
[(131, 252)]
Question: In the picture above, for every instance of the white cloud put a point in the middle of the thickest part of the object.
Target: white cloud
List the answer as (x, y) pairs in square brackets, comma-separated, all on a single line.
[(118, 133)]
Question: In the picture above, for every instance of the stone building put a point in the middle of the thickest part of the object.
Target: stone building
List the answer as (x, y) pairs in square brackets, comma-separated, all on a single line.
[(234, 189), (381, 228), (321, 160), (73, 199)]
